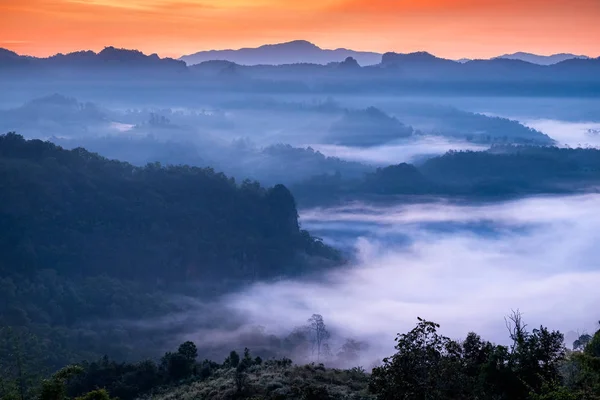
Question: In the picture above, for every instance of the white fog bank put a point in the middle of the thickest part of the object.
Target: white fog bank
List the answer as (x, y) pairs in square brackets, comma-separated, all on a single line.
[(464, 267), (572, 134), (394, 153)]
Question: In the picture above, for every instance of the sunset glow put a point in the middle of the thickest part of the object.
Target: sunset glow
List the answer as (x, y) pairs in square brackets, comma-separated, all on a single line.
[(448, 28)]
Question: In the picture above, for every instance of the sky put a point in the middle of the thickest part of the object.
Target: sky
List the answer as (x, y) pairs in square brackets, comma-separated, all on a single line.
[(171, 28)]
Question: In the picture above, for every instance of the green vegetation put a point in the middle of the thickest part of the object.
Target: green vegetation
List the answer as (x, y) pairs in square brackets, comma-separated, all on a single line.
[(448, 121), (426, 366), (81, 214), (89, 243), (87, 239), (501, 171), (368, 127)]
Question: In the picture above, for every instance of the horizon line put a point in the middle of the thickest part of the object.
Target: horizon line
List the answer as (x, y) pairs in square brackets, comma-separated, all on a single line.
[(509, 53)]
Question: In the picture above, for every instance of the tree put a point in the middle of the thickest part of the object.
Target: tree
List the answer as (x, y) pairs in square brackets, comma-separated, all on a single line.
[(241, 377), (593, 347), (581, 342), (430, 366), (247, 357), (189, 351), (426, 366), (535, 356), (318, 334), (55, 387), (180, 365), (233, 359), (98, 394)]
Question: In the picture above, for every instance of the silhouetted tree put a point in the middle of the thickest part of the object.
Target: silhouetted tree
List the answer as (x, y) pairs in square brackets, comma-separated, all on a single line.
[(233, 360), (318, 334)]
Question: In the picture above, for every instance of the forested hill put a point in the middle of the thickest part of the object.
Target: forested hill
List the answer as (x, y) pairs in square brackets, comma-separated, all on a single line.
[(502, 171), (86, 240), (80, 214)]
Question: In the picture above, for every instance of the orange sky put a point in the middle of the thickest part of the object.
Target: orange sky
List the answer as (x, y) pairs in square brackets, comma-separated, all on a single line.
[(447, 28)]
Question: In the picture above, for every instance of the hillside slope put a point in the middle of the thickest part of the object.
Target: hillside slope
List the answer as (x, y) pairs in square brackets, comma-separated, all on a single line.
[(87, 239)]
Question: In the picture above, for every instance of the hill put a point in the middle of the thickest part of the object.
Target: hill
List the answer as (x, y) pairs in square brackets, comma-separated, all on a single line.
[(54, 115), (294, 52), (88, 239), (453, 123), (368, 127), (503, 171)]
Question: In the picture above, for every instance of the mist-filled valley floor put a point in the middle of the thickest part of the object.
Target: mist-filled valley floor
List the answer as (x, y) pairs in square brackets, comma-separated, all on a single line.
[(256, 218)]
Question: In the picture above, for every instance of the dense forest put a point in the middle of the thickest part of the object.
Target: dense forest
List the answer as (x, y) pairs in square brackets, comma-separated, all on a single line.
[(81, 214), (501, 171), (86, 239), (427, 365)]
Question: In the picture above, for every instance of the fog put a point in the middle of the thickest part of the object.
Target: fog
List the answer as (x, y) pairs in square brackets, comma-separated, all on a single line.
[(306, 206), (395, 153), (463, 266), (248, 137), (566, 133)]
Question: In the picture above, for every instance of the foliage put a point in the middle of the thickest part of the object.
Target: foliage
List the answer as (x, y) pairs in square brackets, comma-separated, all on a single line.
[(430, 366), (166, 223), (55, 387), (500, 172), (180, 365), (593, 347), (426, 366), (368, 127), (582, 342), (88, 239)]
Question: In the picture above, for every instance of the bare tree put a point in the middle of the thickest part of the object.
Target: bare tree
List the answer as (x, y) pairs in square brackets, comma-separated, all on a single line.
[(318, 334), (516, 328)]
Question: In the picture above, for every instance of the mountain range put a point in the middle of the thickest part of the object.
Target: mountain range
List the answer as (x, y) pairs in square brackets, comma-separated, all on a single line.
[(542, 60), (109, 57), (295, 52), (125, 71), (302, 51)]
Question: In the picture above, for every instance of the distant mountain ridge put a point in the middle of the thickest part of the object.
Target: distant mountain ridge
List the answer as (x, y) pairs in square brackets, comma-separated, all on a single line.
[(305, 52), (294, 52), (109, 56), (418, 72), (542, 60)]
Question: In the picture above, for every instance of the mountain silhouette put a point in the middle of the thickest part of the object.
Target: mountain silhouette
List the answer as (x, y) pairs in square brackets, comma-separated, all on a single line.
[(542, 60), (297, 51), (89, 60), (418, 58), (419, 72)]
